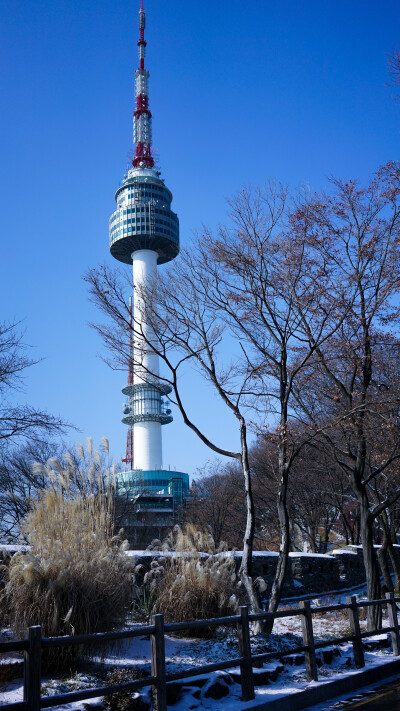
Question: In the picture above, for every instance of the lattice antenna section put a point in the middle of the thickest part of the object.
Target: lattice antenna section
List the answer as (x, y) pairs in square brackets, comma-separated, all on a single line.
[(142, 129)]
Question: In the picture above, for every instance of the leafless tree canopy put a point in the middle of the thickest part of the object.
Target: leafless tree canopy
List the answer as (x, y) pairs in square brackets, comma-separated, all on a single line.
[(352, 382), (25, 433), (394, 67), (22, 421)]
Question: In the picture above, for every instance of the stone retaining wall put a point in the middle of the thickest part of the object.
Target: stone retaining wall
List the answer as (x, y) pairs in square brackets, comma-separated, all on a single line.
[(307, 573), (351, 566)]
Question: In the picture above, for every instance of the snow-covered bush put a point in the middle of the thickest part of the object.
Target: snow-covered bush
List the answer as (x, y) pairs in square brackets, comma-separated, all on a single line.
[(193, 580), (75, 579), (122, 700)]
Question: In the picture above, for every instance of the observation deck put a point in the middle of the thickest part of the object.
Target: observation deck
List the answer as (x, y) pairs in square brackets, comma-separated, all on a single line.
[(143, 218), (146, 404)]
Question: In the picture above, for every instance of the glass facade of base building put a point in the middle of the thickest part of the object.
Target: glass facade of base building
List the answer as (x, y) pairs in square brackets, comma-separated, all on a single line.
[(149, 503)]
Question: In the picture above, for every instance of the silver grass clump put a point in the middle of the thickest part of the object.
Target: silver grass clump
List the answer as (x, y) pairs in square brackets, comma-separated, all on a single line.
[(261, 584), (37, 469), (76, 578), (85, 471), (193, 579)]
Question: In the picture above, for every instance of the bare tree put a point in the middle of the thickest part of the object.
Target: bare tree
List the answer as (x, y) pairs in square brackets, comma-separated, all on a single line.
[(393, 66), (19, 421), (19, 486), (357, 231), (271, 286), (312, 498), (24, 434), (217, 503)]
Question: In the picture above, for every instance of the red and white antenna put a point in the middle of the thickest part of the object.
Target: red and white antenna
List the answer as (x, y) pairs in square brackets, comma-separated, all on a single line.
[(142, 133)]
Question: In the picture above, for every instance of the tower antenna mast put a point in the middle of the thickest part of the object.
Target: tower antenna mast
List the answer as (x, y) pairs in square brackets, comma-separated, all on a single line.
[(142, 128)]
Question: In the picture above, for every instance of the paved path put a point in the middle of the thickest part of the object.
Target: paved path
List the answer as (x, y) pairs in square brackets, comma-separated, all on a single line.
[(384, 698)]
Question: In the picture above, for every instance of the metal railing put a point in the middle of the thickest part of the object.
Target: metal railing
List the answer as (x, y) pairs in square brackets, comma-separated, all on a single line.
[(35, 643)]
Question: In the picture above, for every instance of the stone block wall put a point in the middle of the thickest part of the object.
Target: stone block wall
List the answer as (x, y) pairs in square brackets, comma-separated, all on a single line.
[(351, 567), (314, 572), (308, 573)]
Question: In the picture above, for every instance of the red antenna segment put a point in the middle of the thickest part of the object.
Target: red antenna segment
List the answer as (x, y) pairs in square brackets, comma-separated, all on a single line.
[(142, 131)]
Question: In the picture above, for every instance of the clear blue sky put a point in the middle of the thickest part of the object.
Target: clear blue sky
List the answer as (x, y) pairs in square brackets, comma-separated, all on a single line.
[(240, 92)]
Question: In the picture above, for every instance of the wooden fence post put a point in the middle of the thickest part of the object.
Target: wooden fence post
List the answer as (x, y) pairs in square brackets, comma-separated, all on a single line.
[(158, 663), (308, 639), (32, 668), (358, 649), (246, 668), (393, 622)]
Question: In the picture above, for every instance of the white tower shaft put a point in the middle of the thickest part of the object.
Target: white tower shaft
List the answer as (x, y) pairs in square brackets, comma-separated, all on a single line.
[(147, 434)]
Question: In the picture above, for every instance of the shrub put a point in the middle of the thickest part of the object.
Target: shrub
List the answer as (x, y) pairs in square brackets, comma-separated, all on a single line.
[(75, 579), (124, 700), (192, 579), (143, 603)]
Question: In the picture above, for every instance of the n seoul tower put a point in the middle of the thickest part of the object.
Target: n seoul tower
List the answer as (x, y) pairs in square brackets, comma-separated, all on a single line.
[(144, 232)]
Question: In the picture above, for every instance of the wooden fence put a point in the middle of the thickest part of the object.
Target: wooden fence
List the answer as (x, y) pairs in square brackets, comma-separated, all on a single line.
[(35, 643)]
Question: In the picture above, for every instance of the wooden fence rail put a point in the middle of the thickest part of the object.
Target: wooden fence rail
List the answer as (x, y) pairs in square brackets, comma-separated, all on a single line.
[(32, 649)]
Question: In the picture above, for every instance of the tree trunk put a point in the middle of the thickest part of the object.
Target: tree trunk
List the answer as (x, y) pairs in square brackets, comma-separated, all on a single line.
[(280, 574), (394, 558), (283, 514), (313, 538), (383, 560), (345, 528), (325, 541), (248, 539), (356, 538), (374, 614)]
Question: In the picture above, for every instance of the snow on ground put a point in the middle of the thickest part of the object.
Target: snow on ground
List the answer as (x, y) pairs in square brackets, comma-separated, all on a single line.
[(186, 653), (14, 548)]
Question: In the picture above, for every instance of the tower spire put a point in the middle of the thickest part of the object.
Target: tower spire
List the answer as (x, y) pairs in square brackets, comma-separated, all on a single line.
[(142, 133)]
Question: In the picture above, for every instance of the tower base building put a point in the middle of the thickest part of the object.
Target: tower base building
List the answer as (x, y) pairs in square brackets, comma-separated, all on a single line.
[(150, 503)]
